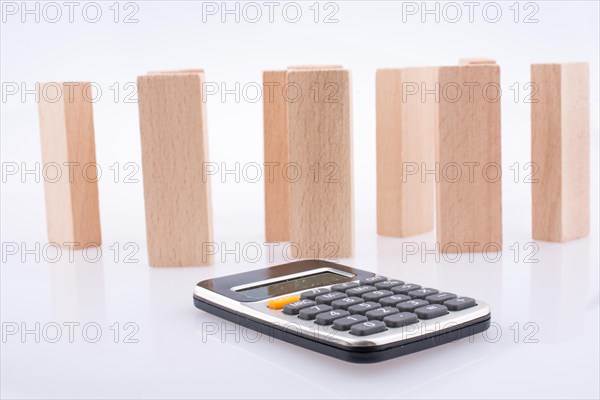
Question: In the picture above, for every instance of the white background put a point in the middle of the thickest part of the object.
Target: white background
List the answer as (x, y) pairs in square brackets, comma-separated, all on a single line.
[(555, 355)]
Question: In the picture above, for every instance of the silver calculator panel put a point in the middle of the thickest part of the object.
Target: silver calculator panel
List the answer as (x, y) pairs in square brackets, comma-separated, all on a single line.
[(258, 310)]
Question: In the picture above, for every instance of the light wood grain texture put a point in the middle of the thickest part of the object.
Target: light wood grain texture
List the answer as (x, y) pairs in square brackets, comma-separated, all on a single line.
[(276, 148), (67, 138), (177, 72), (319, 126), (312, 67), (560, 141), (406, 123), (469, 209), (174, 153), (476, 61)]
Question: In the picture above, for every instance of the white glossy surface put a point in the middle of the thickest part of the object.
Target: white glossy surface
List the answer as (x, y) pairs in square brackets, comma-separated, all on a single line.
[(552, 304)]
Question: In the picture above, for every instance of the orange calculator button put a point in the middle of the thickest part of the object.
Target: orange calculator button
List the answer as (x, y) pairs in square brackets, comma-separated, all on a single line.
[(277, 304)]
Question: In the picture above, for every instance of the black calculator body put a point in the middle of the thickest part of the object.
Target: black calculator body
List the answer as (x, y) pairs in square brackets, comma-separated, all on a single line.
[(343, 312)]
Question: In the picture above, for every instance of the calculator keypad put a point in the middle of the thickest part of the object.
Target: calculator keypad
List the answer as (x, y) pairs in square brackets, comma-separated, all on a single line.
[(311, 313), (360, 290), (346, 303), (295, 307), (460, 303), (376, 295), (411, 305), (328, 317), (345, 323), (387, 285), (373, 305), (380, 313), (342, 287), (313, 293), (422, 293), (372, 280), (328, 298), (367, 328), (393, 300), (440, 298), (400, 319), (405, 288), (431, 311), (362, 308)]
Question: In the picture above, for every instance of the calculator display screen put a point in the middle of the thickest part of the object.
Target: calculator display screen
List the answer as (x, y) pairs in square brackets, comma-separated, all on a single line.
[(293, 285)]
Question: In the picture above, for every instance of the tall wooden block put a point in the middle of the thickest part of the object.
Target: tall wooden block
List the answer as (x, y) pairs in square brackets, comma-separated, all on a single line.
[(319, 126), (560, 141), (469, 187), (276, 148), (406, 123), (174, 153), (67, 137)]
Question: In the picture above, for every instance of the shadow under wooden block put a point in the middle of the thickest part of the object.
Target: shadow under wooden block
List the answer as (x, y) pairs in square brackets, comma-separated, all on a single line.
[(469, 187), (406, 123), (174, 156), (67, 138), (319, 125), (276, 153), (560, 151)]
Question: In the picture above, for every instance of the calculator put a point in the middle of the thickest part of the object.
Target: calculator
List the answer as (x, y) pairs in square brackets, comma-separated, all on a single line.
[(343, 312)]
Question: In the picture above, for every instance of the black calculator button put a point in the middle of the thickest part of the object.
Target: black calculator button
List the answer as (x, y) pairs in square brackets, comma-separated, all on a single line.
[(362, 308), (367, 328), (342, 287), (295, 307), (328, 317), (343, 324), (346, 302), (422, 293), (312, 312), (400, 319), (393, 300), (387, 285), (376, 295), (373, 280), (311, 294), (411, 305), (431, 311), (404, 289), (460, 303), (440, 298), (380, 313), (360, 290), (328, 298)]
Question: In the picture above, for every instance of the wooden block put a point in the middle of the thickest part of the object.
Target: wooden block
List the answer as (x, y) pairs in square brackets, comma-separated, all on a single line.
[(276, 148), (305, 67), (180, 71), (174, 153), (406, 124), (476, 61), (469, 205), (560, 151), (319, 126), (67, 137)]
